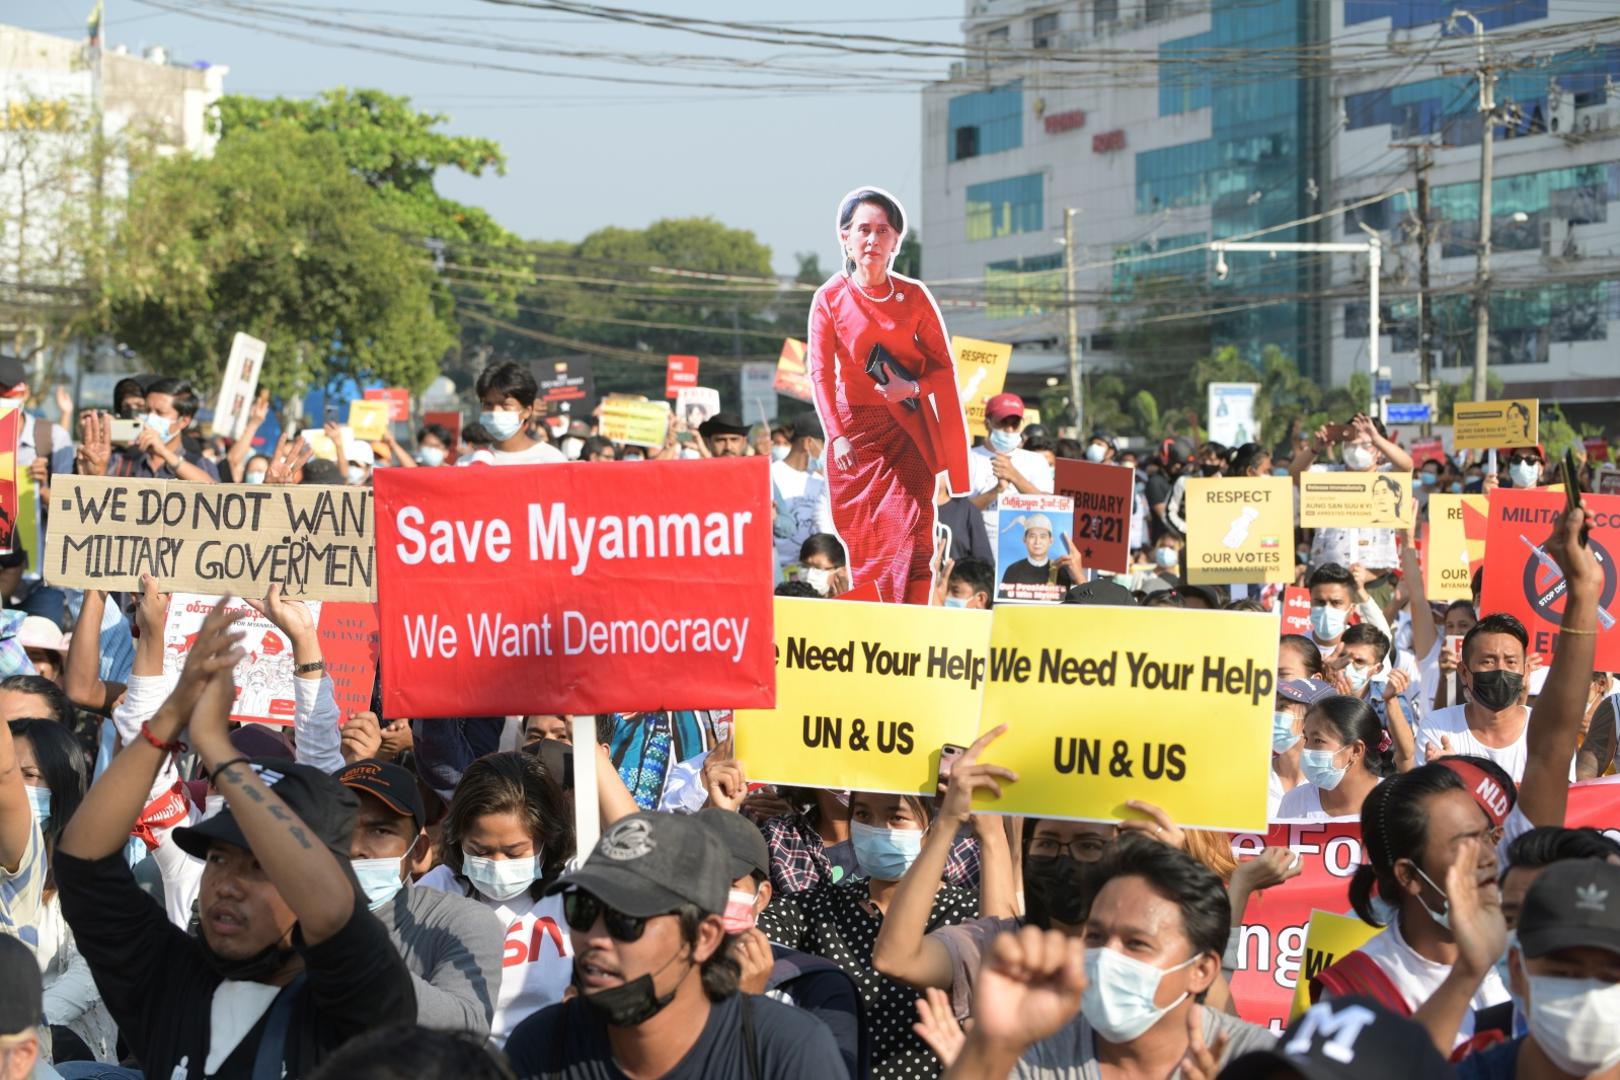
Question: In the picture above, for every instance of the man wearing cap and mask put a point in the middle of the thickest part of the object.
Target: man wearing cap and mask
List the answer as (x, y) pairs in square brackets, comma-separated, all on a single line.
[(289, 964), (726, 435), (452, 945), (1001, 463), (804, 980), (657, 992), (22, 1014)]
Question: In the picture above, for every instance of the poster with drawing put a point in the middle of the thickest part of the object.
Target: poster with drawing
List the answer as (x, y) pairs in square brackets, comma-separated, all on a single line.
[(264, 678), (880, 369)]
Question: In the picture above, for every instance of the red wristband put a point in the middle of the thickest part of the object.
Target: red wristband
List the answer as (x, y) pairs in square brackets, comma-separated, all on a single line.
[(167, 747)]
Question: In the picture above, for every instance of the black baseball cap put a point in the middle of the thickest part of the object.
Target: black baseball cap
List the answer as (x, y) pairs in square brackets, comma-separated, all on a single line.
[(650, 864), (1345, 1039), (326, 807), (22, 990), (1102, 592), (1573, 903), (723, 423), (390, 784), (808, 426), (12, 372), (746, 852)]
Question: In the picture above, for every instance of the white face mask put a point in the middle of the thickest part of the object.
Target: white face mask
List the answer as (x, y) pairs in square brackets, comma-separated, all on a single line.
[(571, 447), (502, 424), (1004, 442), (431, 455), (1096, 452), (1120, 992), (1526, 475), (1357, 458), (1576, 1022), (818, 579), (500, 879), (779, 453), (255, 477)]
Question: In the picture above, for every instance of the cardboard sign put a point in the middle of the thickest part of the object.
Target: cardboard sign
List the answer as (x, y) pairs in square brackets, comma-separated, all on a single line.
[(567, 386), (1102, 497), (1328, 939), (399, 402), (1107, 704), (1231, 413), (1523, 580), (1433, 449), (350, 647), (554, 588), (635, 423), (313, 540), (324, 446), (981, 372), (1296, 610), (451, 422), (1027, 565), (696, 404), (264, 678), (1607, 480), (368, 420), (681, 374), (1356, 500), (793, 373), (1495, 425), (10, 429), (1240, 529), (240, 384), (756, 383), (867, 695), (1597, 448), (1456, 545)]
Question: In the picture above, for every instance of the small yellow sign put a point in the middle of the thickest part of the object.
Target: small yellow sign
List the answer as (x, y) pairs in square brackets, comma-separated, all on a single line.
[(1328, 938), (1356, 500), (368, 419), (639, 423), (1495, 425), (981, 372), (866, 694), (1240, 529)]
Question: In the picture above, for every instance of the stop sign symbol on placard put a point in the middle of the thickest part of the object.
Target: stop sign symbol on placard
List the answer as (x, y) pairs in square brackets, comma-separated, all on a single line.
[(1544, 586)]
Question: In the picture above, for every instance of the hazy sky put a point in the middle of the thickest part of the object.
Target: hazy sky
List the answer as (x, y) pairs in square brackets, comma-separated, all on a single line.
[(583, 153)]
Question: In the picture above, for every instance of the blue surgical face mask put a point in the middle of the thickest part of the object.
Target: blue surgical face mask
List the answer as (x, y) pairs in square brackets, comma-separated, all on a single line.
[(158, 424), (255, 477), (1166, 557), (1317, 765), (884, 854), (1004, 442), (1283, 738), (956, 601), (500, 879), (1328, 623), (40, 799), (1118, 1001), (1430, 479), (380, 879), (1503, 973), (1096, 452), (1357, 676), (431, 455), (1456, 487), (816, 464), (502, 424), (778, 453), (1279, 471)]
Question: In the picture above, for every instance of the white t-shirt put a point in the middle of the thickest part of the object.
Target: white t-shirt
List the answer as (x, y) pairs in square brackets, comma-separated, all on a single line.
[(538, 454), (1305, 802), (798, 496), (537, 960), (1452, 722), (982, 478), (1418, 978)]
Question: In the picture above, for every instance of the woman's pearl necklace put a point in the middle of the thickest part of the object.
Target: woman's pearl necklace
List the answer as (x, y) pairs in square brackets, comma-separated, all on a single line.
[(876, 299)]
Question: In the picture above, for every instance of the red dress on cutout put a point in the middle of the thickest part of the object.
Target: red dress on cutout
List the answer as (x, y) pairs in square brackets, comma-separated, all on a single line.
[(883, 506)]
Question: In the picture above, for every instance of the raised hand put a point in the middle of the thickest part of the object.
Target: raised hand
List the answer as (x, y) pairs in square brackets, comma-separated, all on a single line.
[(936, 1025), (969, 775), (724, 779), (1073, 560), (1202, 1062), (1273, 866), (291, 617), (1398, 683), (1029, 987), (1432, 752), (287, 463), (152, 610), (752, 951), (1475, 911), (362, 737), (207, 684), (95, 443), (1159, 826)]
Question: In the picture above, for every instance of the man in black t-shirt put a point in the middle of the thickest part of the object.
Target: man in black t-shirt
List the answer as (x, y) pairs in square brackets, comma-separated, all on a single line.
[(658, 993), (289, 964)]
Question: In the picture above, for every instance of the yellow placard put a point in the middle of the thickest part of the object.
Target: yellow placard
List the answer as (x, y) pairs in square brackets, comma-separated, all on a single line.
[(368, 419), (638, 423), (981, 372), (1106, 704), (1450, 553), (1240, 529), (27, 534), (866, 694), (1328, 938), (1356, 500), (1495, 425)]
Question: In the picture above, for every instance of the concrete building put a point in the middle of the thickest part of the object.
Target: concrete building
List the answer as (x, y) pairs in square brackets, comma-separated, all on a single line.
[(1171, 123)]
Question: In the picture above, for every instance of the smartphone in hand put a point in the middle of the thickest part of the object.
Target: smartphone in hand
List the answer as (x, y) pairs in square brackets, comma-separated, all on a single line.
[(947, 761)]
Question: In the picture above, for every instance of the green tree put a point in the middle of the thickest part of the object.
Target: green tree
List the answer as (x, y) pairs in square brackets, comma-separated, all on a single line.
[(275, 237)]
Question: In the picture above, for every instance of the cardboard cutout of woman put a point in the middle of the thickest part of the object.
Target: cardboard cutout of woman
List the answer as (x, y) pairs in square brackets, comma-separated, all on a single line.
[(884, 380)]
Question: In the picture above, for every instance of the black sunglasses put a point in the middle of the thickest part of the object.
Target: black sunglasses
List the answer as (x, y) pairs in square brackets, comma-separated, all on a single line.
[(580, 910), (1520, 459)]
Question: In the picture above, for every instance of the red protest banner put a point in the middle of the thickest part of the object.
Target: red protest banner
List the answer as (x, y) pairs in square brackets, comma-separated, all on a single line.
[(1522, 579), (792, 372), (577, 588), (450, 421), (1597, 448), (349, 645), (1102, 511), (1296, 610), (10, 429), (682, 374), (1433, 449), (399, 402)]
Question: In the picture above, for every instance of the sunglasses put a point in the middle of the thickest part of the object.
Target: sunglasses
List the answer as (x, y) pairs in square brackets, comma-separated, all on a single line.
[(1522, 459), (580, 910)]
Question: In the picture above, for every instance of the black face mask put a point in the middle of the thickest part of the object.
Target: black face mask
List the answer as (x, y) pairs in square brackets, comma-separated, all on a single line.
[(1210, 470), (261, 967), (1496, 689), (628, 1004), (1058, 888)]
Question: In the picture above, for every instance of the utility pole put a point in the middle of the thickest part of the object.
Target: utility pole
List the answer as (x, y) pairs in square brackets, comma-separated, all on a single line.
[(1422, 161), (1074, 322), (1482, 272)]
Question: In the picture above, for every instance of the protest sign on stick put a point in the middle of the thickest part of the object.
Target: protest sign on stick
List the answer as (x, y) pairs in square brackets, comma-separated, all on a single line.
[(568, 588), (638, 423), (1356, 500), (314, 541), (1102, 497), (368, 420), (1296, 610), (264, 677), (681, 374), (240, 384), (1028, 567), (696, 404), (567, 386), (1240, 529), (1108, 704), (866, 695), (981, 372), (792, 373), (1456, 545), (1522, 579), (1431, 449), (756, 384), (1495, 425)]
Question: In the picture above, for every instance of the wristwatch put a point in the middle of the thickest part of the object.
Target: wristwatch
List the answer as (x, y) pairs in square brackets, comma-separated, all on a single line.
[(310, 668)]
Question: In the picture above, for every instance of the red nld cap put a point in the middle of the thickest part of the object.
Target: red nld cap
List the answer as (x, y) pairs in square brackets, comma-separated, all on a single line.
[(1488, 792)]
